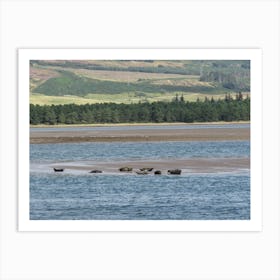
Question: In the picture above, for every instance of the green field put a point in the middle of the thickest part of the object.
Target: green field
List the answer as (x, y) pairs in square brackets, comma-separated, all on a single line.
[(115, 98)]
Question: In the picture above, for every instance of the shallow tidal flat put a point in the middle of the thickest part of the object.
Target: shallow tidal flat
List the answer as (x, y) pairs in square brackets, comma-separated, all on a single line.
[(139, 135), (198, 165), (107, 148)]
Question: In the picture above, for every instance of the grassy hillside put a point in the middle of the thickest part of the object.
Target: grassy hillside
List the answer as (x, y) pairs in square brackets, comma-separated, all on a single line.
[(80, 82)]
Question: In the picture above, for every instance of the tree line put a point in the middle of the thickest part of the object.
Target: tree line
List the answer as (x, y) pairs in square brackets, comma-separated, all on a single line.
[(208, 110), (227, 75)]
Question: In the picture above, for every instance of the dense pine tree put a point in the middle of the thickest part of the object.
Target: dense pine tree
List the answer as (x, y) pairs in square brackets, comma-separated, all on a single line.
[(179, 110)]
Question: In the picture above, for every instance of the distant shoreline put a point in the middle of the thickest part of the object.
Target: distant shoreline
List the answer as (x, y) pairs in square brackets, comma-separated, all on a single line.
[(140, 135)]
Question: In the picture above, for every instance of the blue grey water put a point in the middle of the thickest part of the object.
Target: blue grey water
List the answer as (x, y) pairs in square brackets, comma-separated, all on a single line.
[(134, 197), (83, 196), (113, 151)]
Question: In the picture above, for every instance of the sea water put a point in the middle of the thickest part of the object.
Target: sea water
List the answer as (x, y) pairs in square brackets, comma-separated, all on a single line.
[(83, 196), (117, 151)]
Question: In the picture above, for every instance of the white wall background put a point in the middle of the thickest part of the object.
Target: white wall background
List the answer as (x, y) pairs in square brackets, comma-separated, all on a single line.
[(182, 24)]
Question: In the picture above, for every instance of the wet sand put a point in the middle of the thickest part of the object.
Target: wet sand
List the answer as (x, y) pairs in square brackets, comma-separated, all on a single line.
[(140, 135), (197, 165)]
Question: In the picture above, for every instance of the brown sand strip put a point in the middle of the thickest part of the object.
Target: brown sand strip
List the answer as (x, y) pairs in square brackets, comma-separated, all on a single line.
[(197, 165), (141, 135)]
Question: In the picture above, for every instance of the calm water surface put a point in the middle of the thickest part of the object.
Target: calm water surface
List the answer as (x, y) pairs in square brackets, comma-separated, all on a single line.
[(113, 151), (134, 197)]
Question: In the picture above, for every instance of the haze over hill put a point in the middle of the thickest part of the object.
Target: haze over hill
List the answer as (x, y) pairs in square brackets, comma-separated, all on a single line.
[(122, 81)]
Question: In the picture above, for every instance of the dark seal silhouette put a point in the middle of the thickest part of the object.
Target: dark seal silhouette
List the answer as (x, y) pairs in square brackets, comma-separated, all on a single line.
[(125, 169), (58, 169), (146, 169), (174, 171), (95, 171)]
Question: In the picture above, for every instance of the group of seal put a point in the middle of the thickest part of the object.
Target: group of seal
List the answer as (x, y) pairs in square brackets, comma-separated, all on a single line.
[(141, 171), (148, 170)]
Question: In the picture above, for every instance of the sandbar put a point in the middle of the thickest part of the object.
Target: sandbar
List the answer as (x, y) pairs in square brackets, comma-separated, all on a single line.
[(189, 165), (140, 135)]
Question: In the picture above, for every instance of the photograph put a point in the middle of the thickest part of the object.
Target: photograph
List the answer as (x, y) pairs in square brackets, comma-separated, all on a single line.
[(139, 139)]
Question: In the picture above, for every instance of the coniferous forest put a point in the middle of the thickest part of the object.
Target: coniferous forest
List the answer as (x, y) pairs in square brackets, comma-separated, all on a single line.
[(230, 108)]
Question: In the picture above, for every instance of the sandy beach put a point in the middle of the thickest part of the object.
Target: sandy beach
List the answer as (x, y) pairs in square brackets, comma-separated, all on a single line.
[(140, 135)]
